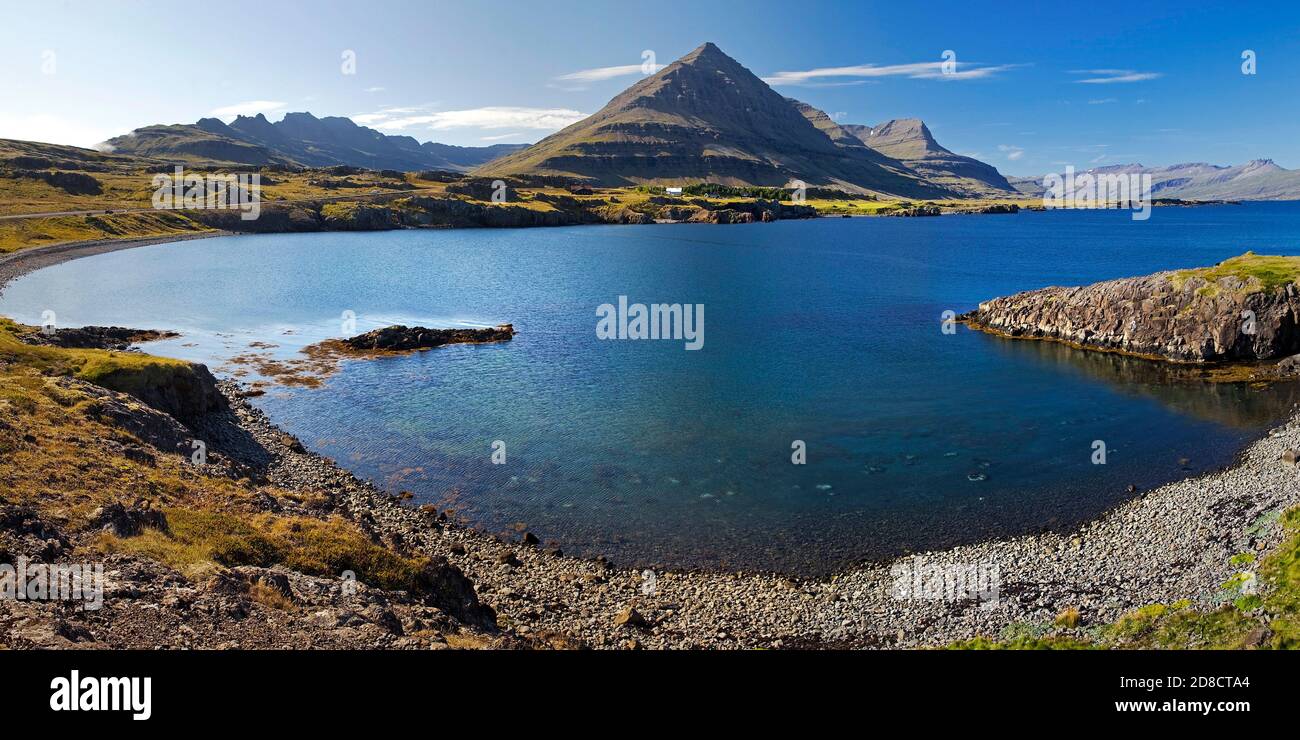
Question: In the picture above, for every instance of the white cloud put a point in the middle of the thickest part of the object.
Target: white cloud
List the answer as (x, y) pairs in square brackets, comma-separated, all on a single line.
[(499, 137), (246, 108), (51, 129), (600, 74), (1011, 151), (1109, 76), (1103, 101), (490, 117), (375, 89), (918, 70)]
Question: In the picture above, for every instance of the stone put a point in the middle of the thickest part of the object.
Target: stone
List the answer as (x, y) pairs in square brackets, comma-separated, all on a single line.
[(124, 521), (630, 617), (1291, 457)]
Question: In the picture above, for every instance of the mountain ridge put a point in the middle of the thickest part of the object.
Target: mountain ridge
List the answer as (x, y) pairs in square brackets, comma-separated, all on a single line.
[(300, 139), (1258, 179), (909, 141)]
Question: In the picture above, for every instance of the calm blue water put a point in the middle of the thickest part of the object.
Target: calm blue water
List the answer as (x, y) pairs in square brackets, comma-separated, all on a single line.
[(825, 331)]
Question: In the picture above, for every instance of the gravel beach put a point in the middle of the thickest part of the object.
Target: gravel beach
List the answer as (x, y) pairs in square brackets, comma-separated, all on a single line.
[(1167, 544)]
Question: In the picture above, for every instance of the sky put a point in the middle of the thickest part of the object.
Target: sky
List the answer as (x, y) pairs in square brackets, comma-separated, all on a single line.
[(1035, 88)]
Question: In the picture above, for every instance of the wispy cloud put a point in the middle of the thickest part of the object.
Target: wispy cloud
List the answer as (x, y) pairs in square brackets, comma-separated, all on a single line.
[(247, 108), (489, 117), (1011, 152), (375, 89), (1103, 101), (865, 72), (1110, 76), (499, 137), (600, 74)]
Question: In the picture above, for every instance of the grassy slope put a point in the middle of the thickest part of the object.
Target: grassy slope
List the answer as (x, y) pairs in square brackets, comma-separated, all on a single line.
[(56, 457)]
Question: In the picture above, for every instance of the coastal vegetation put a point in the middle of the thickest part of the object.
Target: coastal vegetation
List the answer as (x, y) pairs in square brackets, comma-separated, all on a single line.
[(1257, 608), (1256, 273), (49, 459)]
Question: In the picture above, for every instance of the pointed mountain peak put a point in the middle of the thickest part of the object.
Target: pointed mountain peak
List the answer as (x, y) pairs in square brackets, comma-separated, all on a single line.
[(904, 128), (707, 51), (706, 57)]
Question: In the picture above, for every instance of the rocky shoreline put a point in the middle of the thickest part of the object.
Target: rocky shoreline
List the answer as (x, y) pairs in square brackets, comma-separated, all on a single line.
[(1242, 310)]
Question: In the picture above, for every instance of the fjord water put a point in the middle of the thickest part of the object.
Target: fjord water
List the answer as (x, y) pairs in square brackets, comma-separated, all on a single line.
[(825, 331)]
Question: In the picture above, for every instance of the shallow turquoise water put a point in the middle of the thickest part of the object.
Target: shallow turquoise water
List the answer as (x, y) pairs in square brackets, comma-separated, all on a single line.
[(825, 331)]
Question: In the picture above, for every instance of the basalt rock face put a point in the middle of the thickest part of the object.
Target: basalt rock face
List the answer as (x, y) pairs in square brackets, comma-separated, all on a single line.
[(185, 392), (1191, 320), (408, 339)]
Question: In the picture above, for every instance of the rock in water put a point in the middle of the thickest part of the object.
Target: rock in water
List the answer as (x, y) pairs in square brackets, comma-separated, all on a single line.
[(406, 339), (1242, 309)]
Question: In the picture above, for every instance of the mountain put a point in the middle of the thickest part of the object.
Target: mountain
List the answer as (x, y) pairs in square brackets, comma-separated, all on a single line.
[(707, 118), (909, 141), (190, 143), (1258, 179), (300, 139)]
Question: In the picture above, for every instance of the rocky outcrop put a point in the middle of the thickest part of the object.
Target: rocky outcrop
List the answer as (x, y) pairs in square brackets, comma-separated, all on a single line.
[(915, 211), (994, 208), (96, 337), (185, 391), (73, 183), (1218, 314), (722, 216), (409, 339), (128, 521)]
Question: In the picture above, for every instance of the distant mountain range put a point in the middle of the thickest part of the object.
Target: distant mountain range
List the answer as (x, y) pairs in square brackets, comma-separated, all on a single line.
[(1258, 179), (300, 139), (705, 117)]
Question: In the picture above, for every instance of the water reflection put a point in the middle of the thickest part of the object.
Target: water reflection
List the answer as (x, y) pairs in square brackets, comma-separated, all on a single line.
[(1179, 388)]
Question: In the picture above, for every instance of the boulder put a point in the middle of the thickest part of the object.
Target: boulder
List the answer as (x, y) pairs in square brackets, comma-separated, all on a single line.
[(128, 521)]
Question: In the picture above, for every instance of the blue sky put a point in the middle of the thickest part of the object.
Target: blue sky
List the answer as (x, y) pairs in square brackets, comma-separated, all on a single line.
[(1037, 87)]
